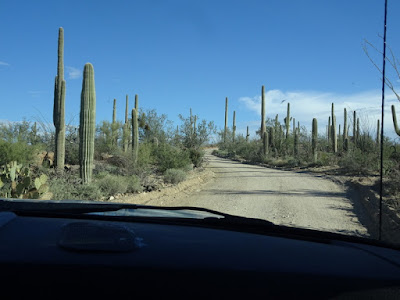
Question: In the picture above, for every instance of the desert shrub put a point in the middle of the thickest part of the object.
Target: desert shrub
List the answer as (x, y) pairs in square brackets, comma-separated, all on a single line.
[(104, 168), (69, 187), (174, 176), (18, 151), (359, 162), (196, 156), (145, 155), (110, 185), (72, 153), (170, 157), (134, 184)]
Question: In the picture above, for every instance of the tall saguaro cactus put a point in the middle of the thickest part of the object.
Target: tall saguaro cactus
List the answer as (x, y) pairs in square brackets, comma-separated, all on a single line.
[(314, 138), (334, 136), (262, 111), (287, 121), (329, 129), (135, 135), (265, 143), (87, 124), (137, 103), (354, 126), (226, 119), (126, 126), (345, 132), (378, 132), (59, 105), (234, 126)]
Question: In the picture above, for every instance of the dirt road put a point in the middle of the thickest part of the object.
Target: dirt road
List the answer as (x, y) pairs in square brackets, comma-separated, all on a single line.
[(283, 197)]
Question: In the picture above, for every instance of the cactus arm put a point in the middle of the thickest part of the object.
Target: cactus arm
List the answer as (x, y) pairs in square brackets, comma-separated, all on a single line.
[(396, 127)]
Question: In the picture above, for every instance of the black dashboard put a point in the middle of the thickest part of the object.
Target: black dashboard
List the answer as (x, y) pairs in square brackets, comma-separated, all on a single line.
[(54, 257)]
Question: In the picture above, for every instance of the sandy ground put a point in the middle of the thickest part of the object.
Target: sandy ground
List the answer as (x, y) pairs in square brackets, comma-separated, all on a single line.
[(283, 197)]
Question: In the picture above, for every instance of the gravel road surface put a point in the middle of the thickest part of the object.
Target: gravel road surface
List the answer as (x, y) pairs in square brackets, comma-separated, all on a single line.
[(283, 197)]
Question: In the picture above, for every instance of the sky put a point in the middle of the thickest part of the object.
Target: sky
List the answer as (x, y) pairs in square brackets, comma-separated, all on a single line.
[(178, 55)]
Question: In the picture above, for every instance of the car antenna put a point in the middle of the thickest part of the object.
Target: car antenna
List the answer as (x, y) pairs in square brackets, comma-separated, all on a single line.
[(382, 131)]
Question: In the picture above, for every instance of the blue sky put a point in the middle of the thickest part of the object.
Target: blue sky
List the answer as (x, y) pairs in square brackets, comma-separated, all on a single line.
[(178, 55)]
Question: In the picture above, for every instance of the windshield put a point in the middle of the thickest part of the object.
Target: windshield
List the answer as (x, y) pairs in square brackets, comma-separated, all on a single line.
[(259, 109)]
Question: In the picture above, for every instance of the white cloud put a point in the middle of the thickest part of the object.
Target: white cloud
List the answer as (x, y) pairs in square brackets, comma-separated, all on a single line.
[(73, 73), (3, 63), (306, 105)]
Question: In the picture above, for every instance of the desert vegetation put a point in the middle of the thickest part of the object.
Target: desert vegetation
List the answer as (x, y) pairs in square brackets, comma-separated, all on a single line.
[(97, 160), (347, 148)]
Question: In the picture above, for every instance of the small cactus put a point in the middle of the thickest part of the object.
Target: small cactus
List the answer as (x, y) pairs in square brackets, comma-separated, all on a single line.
[(87, 124)]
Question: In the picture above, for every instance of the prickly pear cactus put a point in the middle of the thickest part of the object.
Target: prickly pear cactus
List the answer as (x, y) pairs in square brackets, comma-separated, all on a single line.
[(16, 182)]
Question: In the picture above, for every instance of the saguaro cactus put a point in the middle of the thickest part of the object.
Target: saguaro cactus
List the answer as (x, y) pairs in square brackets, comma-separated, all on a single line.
[(334, 136), (247, 134), (126, 126), (354, 126), (378, 133), (265, 143), (262, 111), (287, 121), (114, 125), (59, 105), (234, 126), (137, 104), (87, 124), (226, 119), (396, 127), (329, 129), (345, 132), (314, 139), (296, 133), (135, 135)]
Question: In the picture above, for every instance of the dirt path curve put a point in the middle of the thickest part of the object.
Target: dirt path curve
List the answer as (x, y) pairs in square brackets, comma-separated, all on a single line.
[(283, 197)]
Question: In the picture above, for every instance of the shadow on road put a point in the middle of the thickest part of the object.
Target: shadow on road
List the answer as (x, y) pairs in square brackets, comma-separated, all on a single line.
[(302, 193)]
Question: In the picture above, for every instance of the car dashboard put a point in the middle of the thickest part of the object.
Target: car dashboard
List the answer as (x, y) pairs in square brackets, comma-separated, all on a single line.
[(87, 256)]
